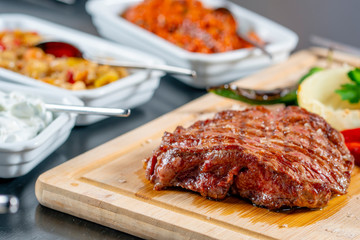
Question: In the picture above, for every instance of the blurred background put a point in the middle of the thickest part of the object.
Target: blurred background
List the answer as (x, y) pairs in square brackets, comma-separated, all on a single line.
[(332, 19)]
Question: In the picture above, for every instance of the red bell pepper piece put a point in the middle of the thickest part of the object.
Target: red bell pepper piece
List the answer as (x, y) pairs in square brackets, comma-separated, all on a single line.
[(352, 141), (2, 46), (351, 135), (17, 42), (70, 77), (354, 148)]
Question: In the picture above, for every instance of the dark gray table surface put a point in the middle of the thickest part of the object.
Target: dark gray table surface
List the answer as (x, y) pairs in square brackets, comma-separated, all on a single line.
[(334, 19)]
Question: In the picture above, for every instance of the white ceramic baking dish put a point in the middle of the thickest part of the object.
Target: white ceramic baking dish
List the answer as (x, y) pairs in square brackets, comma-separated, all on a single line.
[(127, 92), (19, 158), (212, 69)]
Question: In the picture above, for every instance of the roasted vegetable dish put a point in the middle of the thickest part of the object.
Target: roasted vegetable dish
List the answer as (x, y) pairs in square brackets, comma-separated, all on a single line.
[(19, 54), (190, 25)]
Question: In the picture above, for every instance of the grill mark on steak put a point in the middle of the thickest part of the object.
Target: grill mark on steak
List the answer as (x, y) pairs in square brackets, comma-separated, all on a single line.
[(276, 158)]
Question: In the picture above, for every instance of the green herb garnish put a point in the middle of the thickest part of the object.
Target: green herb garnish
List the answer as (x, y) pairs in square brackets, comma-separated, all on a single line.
[(351, 91)]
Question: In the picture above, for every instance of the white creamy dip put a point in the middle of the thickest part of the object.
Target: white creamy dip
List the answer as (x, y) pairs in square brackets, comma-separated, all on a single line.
[(21, 117)]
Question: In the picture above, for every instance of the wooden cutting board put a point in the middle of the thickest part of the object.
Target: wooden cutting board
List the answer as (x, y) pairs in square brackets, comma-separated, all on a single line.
[(107, 184)]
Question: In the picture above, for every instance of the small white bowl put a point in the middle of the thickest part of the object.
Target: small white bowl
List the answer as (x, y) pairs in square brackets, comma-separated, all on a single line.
[(19, 158), (212, 69), (128, 92)]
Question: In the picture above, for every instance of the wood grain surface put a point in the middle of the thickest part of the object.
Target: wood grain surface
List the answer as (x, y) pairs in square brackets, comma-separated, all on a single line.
[(107, 185)]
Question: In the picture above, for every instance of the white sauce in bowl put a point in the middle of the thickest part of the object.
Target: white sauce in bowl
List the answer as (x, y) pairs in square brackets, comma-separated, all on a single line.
[(21, 117)]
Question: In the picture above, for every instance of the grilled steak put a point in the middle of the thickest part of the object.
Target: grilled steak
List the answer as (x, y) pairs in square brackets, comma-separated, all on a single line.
[(286, 157)]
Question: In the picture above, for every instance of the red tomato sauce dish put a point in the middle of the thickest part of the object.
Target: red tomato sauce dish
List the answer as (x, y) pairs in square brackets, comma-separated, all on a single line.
[(190, 25)]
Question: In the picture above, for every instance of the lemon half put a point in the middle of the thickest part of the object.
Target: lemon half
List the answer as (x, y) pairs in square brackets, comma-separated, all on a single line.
[(317, 94)]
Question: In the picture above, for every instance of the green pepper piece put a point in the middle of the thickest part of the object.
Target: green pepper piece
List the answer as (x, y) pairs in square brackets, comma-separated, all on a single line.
[(287, 95), (252, 96)]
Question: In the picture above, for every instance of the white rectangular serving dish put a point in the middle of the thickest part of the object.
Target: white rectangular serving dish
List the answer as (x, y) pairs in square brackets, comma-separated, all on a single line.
[(212, 69), (17, 159), (127, 92)]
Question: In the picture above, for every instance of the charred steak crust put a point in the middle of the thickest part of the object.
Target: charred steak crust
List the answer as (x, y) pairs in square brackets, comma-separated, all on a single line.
[(278, 158)]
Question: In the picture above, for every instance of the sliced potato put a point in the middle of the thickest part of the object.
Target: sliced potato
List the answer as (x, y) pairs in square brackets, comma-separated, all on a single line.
[(317, 95)]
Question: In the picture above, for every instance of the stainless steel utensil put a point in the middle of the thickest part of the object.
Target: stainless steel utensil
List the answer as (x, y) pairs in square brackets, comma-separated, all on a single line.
[(115, 112), (224, 10), (330, 44), (59, 49), (8, 204), (159, 67), (256, 45)]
